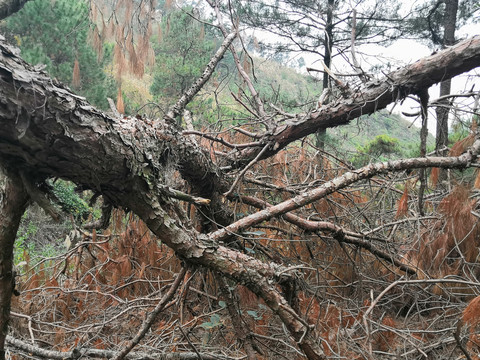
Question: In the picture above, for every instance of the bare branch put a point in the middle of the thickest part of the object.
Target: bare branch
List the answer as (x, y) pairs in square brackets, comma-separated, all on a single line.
[(152, 316), (376, 95), (220, 140), (177, 109), (345, 180), (356, 64), (339, 233), (258, 102), (244, 170), (98, 353)]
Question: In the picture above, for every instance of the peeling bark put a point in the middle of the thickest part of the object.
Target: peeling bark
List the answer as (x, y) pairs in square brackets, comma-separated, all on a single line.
[(13, 202)]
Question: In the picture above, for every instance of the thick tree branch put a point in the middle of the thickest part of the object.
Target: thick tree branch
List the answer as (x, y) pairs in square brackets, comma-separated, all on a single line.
[(80, 353), (9, 7), (374, 96), (39, 197), (45, 129)]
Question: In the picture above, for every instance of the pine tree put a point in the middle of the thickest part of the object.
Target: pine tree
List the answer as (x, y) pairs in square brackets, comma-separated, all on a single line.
[(55, 33), (321, 27), (181, 54)]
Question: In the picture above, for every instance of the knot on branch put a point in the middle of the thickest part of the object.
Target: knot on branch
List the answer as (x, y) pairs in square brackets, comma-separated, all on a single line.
[(41, 193), (339, 235)]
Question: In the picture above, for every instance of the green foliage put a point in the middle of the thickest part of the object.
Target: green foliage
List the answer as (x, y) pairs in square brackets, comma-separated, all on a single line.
[(181, 54), (275, 83), (22, 246), (69, 200), (26, 250), (284, 86), (301, 23), (382, 145), (206, 107), (380, 148), (359, 133), (55, 33)]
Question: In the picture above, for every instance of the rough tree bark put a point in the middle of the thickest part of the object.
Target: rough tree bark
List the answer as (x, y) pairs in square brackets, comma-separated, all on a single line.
[(9, 7), (46, 131), (327, 59), (13, 202), (449, 23)]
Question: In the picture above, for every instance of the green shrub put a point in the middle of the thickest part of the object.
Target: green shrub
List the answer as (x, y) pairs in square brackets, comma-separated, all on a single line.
[(70, 201), (382, 148)]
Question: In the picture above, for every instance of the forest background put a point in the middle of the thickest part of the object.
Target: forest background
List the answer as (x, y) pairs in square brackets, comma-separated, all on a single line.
[(377, 267)]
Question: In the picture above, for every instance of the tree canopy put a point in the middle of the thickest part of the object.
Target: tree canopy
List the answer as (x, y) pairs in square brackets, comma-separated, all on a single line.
[(54, 35), (183, 51)]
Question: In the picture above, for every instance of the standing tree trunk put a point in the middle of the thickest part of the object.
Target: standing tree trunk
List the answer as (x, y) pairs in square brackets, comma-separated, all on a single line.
[(449, 22), (13, 202), (327, 59)]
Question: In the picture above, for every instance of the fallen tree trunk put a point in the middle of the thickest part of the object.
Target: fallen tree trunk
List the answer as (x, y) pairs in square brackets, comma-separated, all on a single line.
[(79, 353), (46, 131)]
